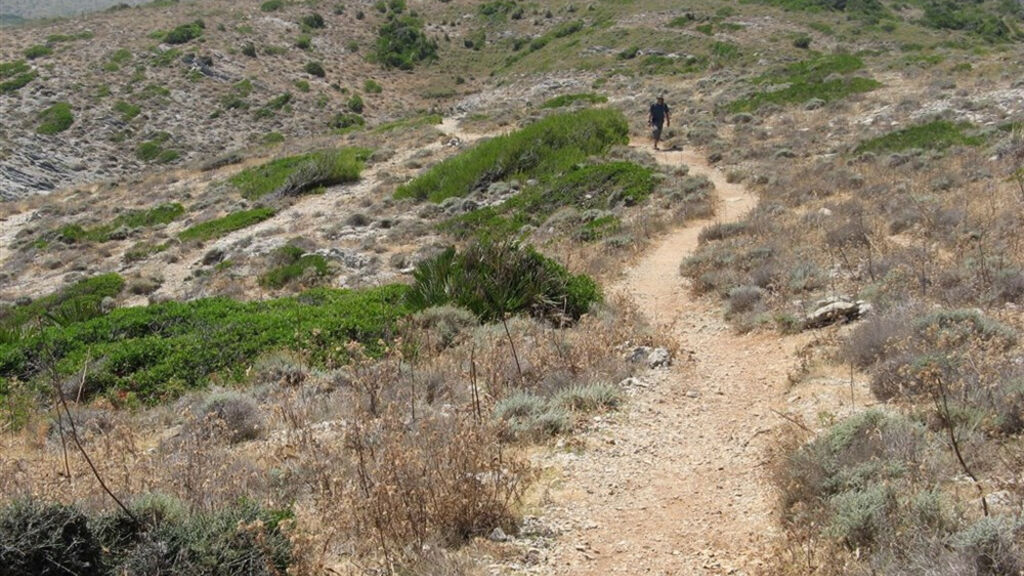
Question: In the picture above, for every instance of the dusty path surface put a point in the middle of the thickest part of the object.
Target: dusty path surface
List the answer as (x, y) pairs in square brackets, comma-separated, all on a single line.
[(678, 483)]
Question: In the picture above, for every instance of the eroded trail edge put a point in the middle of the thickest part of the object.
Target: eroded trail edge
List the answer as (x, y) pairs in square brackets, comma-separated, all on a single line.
[(678, 483)]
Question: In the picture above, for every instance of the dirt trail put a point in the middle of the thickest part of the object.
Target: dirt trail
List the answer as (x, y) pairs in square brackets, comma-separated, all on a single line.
[(678, 484)]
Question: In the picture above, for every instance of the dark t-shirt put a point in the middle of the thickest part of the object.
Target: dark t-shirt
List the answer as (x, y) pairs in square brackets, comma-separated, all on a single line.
[(658, 113)]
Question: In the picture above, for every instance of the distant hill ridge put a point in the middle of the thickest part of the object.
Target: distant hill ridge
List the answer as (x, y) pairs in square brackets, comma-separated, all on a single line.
[(14, 10)]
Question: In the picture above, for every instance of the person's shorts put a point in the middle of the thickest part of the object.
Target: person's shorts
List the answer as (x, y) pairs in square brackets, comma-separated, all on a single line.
[(656, 131)]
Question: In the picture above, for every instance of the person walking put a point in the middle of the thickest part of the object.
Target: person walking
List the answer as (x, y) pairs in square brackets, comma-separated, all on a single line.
[(658, 117)]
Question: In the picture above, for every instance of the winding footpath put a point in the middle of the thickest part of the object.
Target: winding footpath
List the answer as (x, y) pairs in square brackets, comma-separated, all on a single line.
[(678, 484)]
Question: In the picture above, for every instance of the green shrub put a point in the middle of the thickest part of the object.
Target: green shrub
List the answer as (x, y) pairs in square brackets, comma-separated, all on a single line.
[(185, 33), (935, 135), (15, 75), (492, 279), (272, 5), (809, 79), (969, 17), (498, 9), (601, 396), (402, 44), (315, 69), (313, 21), (301, 85), (298, 174), (221, 226), (586, 188), (544, 147), (569, 99), (372, 87), (292, 264), (55, 119), (37, 51), (78, 302), (343, 121), (162, 214), (154, 151), (127, 110), (157, 351), (304, 42), (355, 104)]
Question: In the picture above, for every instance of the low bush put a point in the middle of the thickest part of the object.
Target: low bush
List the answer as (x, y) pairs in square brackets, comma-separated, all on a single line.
[(221, 226), (548, 146), (601, 396), (184, 33), (969, 17), (570, 99), (526, 416), (15, 75), (230, 415), (343, 121), (47, 540), (935, 135), (43, 539), (372, 87), (37, 51), (129, 219), (873, 490), (294, 175), (410, 123), (272, 5), (806, 80), (313, 21), (355, 104), (78, 302), (157, 351), (127, 110), (153, 150), (493, 279), (292, 263), (55, 119), (315, 69)]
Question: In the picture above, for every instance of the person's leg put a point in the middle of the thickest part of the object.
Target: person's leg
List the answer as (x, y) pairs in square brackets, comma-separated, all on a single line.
[(656, 134)]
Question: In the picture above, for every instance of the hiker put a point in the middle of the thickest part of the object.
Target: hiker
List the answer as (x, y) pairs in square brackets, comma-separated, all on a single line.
[(658, 116)]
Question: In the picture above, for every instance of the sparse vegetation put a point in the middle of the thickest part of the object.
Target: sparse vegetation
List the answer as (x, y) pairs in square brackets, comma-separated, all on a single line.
[(935, 135), (810, 79), (15, 76), (126, 221), (55, 119), (570, 99), (221, 226)]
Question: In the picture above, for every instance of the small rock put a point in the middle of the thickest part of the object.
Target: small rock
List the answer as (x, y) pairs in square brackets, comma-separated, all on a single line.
[(828, 313), (692, 394), (498, 535), (638, 354), (659, 357), (107, 304)]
